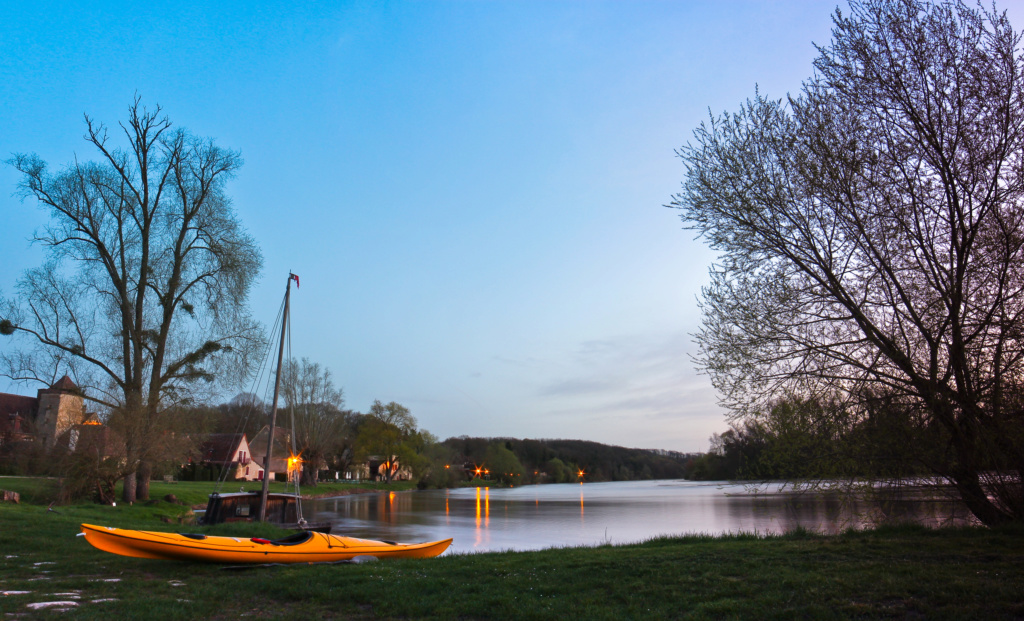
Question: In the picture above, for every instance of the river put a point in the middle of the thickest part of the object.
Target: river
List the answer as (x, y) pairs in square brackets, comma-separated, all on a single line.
[(544, 516)]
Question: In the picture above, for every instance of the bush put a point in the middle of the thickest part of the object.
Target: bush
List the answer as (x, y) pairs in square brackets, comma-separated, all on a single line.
[(87, 476)]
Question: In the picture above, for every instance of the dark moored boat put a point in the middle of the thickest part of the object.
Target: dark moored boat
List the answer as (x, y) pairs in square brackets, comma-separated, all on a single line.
[(282, 510)]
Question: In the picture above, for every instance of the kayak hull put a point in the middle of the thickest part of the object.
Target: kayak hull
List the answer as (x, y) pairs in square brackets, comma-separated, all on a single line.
[(307, 547)]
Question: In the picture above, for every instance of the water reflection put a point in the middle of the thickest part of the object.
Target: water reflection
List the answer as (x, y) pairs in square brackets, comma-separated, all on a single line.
[(581, 503), (541, 516)]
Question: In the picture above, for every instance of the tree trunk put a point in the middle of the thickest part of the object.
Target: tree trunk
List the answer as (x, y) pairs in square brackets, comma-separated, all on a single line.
[(142, 481), (977, 501), (105, 492), (308, 477), (128, 493)]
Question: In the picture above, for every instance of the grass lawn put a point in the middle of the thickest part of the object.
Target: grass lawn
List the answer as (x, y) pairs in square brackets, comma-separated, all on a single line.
[(194, 493), (897, 573)]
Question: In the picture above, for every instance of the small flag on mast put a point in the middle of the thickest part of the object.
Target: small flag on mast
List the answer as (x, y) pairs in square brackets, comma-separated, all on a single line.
[(295, 277)]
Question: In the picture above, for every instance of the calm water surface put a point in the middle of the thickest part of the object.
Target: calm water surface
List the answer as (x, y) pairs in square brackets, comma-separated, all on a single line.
[(544, 516)]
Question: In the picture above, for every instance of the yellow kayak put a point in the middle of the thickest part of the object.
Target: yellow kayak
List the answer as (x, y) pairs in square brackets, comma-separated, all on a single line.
[(304, 547)]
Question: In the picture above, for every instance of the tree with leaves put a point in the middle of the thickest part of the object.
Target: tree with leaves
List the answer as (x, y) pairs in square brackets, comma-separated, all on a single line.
[(871, 238), (388, 432), (143, 297), (505, 467)]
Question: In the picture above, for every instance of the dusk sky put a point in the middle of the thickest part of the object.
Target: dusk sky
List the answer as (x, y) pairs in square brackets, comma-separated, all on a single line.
[(471, 192)]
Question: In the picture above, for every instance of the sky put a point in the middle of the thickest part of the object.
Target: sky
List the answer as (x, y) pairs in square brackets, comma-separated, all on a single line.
[(473, 193)]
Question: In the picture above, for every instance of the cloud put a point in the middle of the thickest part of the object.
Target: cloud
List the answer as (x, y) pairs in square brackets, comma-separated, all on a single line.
[(634, 377), (631, 390), (579, 387)]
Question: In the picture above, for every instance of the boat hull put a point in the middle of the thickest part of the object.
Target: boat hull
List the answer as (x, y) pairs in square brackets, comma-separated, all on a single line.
[(310, 547)]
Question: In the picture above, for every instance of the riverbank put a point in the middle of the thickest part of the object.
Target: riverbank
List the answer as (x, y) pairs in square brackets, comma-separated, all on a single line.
[(194, 494), (887, 573)]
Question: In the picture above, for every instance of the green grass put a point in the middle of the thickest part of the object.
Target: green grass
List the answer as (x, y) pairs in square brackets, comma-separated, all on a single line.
[(893, 573), (194, 493)]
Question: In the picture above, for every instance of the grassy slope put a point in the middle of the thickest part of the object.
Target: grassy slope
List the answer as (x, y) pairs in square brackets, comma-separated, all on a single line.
[(894, 573), (194, 493)]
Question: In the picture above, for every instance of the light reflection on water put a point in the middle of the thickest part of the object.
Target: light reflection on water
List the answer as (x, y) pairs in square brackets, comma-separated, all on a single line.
[(543, 516)]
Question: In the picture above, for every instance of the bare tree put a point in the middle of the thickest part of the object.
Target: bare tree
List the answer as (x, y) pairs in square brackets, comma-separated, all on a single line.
[(143, 299), (871, 238), (323, 431)]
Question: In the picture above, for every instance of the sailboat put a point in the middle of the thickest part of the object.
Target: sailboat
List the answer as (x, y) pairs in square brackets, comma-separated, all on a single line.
[(312, 545), (283, 509)]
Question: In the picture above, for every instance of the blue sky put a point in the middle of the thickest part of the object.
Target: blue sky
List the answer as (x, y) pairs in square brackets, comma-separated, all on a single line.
[(471, 192)]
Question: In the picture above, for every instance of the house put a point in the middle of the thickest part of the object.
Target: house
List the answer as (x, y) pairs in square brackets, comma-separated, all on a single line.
[(230, 450), (376, 469), (93, 437), (16, 416), (43, 418), (279, 456)]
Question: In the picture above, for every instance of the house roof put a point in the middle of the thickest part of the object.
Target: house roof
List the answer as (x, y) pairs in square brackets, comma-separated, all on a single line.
[(282, 447), (64, 384), (220, 447), (282, 441), (12, 406), (16, 404), (94, 438)]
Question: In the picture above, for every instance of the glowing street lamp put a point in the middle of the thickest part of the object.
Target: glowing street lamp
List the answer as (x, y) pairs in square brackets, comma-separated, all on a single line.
[(294, 463)]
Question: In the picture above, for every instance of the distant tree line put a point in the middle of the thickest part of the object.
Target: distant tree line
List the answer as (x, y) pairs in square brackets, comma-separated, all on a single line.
[(511, 460)]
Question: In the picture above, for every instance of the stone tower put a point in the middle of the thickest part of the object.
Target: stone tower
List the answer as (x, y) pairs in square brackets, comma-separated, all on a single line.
[(60, 407)]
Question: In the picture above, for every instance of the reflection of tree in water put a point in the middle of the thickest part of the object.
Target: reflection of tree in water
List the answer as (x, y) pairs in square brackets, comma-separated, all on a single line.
[(805, 505), (544, 516), (786, 511), (917, 504)]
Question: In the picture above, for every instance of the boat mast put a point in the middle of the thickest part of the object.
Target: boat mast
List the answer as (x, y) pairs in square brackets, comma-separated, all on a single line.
[(262, 516)]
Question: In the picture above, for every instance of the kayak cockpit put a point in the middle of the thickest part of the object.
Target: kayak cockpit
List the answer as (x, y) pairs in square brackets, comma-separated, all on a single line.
[(291, 540)]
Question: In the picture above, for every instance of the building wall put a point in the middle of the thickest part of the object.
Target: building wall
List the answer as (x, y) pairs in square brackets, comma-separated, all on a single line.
[(58, 412), (247, 469)]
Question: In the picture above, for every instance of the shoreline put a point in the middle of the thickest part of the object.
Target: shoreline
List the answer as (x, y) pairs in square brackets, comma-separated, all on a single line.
[(332, 494)]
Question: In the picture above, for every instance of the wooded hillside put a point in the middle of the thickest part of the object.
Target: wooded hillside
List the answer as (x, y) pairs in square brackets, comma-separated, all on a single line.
[(560, 461)]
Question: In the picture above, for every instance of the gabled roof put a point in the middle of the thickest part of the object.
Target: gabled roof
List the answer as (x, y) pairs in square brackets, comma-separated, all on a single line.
[(282, 447), (220, 447), (282, 441)]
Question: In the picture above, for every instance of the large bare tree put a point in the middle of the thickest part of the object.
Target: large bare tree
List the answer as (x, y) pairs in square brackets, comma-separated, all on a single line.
[(871, 239), (144, 296)]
